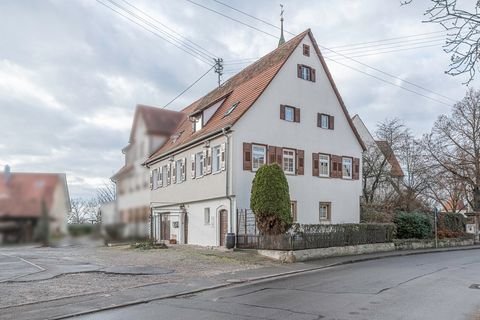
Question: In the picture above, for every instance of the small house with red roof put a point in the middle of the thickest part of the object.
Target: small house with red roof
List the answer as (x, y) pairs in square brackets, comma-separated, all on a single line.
[(23, 197)]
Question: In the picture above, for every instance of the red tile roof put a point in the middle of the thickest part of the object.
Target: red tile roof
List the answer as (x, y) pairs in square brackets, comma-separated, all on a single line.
[(244, 88), (387, 151), (157, 120), (23, 194)]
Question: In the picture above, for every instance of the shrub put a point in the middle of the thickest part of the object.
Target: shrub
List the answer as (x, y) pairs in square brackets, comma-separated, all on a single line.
[(270, 200), (413, 225), (76, 230), (454, 222)]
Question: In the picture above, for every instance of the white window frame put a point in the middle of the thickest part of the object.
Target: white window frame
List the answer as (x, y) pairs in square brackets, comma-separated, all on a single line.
[(287, 155), (207, 220), (289, 113), (260, 149), (216, 159), (165, 175), (325, 160), (306, 73), (199, 164), (347, 161), (178, 170), (324, 121), (327, 206), (198, 124)]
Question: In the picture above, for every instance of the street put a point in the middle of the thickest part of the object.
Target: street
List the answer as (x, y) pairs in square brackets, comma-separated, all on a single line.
[(428, 286)]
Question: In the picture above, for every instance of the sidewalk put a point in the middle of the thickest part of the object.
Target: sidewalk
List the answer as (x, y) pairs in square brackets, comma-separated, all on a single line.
[(79, 305)]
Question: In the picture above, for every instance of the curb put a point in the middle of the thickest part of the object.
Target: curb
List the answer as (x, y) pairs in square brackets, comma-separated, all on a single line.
[(234, 282)]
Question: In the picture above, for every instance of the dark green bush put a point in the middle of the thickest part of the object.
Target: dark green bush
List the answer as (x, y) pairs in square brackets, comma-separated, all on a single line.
[(270, 200), (413, 225), (454, 222), (76, 230)]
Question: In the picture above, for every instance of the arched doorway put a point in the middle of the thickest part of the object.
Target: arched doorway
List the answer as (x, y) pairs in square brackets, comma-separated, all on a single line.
[(223, 226)]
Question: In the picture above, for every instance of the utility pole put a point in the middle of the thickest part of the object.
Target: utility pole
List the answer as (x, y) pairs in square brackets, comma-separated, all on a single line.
[(219, 69), (435, 218)]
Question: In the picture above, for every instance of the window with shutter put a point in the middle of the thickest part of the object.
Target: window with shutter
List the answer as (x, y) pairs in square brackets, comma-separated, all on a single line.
[(324, 161), (199, 164), (160, 177), (346, 168), (169, 173), (247, 156), (174, 171), (205, 162), (222, 156), (165, 175), (216, 159), (306, 50), (192, 168), (178, 171), (184, 169), (289, 161), (155, 179), (259, 156), (209, 160)]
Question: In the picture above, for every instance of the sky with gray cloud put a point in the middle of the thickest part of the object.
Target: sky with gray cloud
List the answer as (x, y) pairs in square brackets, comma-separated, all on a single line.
[(72, 72)]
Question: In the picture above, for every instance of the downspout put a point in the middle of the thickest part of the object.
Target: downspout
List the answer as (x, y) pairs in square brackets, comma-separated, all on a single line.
[(227, 177)]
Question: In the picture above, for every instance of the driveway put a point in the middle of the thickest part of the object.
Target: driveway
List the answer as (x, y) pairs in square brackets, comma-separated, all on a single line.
[(31, 274)]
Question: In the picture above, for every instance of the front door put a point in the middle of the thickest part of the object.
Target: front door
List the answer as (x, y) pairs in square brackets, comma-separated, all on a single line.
[(165, 227), (223, 226)]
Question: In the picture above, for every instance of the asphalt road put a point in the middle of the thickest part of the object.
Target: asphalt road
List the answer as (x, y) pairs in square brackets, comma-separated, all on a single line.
[(429, 286)]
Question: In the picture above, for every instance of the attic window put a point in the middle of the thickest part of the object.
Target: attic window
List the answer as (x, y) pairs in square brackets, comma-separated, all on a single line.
[(230, 110), (197, 122), (306, 50)]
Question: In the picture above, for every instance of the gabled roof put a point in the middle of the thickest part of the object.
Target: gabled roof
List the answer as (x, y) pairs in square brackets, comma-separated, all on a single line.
[(22, 195), (123, 171), (396, 170), (157, 120), (244, 88)]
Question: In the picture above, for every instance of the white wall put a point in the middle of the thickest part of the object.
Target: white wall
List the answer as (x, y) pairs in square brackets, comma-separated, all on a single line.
[(262, 124), (60, 207)]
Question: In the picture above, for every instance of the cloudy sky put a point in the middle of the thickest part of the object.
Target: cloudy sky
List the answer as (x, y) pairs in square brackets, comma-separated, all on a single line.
[(71, 72)]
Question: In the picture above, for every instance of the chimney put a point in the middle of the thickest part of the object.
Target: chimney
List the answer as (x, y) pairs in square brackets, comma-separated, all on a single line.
[(282, 38), (7, 174)]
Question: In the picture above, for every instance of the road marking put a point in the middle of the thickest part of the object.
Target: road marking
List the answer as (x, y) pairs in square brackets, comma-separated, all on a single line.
[(26, 261)]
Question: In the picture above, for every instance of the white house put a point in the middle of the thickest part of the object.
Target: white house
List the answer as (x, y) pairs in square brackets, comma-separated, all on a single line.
[(380, 165), (151, 127), (285, 109)]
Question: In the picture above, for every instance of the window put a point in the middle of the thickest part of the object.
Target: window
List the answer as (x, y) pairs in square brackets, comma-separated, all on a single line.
[(259, 156), (289, 161), (206, 216), (306, 50), (216, 159), (324, 121), (197, 124), (165, 175), (155, 179), (199, 164), (289, 113), (324, 165), (293, 210), (324, 211), (230, 110), (347, 168), (305, 72), (178, 171)]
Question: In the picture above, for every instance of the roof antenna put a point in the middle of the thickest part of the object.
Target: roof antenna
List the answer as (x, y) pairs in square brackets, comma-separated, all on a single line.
[(219, 69), (282, 38)]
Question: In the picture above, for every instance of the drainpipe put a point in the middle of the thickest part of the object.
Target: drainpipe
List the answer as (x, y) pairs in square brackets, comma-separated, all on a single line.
[(227, 178)]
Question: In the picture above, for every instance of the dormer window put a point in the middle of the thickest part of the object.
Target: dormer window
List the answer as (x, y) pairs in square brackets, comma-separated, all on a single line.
[(306, 50), (197, 122)]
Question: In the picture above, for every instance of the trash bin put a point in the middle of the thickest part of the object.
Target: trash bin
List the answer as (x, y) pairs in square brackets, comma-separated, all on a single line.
[(230, 240)]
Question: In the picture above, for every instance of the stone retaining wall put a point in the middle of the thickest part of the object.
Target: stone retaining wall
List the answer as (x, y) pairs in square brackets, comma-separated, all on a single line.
[(312, 254)]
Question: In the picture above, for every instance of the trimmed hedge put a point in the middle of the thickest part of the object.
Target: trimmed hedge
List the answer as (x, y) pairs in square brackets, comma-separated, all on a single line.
[(270, 200), (413, 225)]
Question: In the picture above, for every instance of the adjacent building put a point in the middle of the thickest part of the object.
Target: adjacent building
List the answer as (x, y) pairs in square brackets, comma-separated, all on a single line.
[(24, 197), (285, 109), (151, 128)]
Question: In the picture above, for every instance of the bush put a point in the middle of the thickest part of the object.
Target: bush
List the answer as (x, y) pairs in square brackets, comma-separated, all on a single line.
[(413, 225), (76, 230), (270, 200), (453, 222)]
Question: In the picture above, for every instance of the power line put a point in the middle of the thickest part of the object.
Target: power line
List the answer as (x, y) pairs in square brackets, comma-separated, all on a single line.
[(155, 33), (374, 53), (346, 57), (173, 38), (187, 88), (170, 29)]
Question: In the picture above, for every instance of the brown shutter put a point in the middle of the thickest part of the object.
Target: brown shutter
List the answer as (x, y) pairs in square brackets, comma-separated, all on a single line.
[(319, 120), (271, 154), (297, 115), (356, 169), (247, 156), (282, 112), (279, 154), (315, 165), (331, 123), (312, 75), (336, 162), (299, 70), (300, 162)]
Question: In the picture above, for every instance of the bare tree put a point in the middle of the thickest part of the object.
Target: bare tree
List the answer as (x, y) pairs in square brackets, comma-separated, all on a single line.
[(463, 37), (79, 212), (106, 193), (454, 145), (445, 189)]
